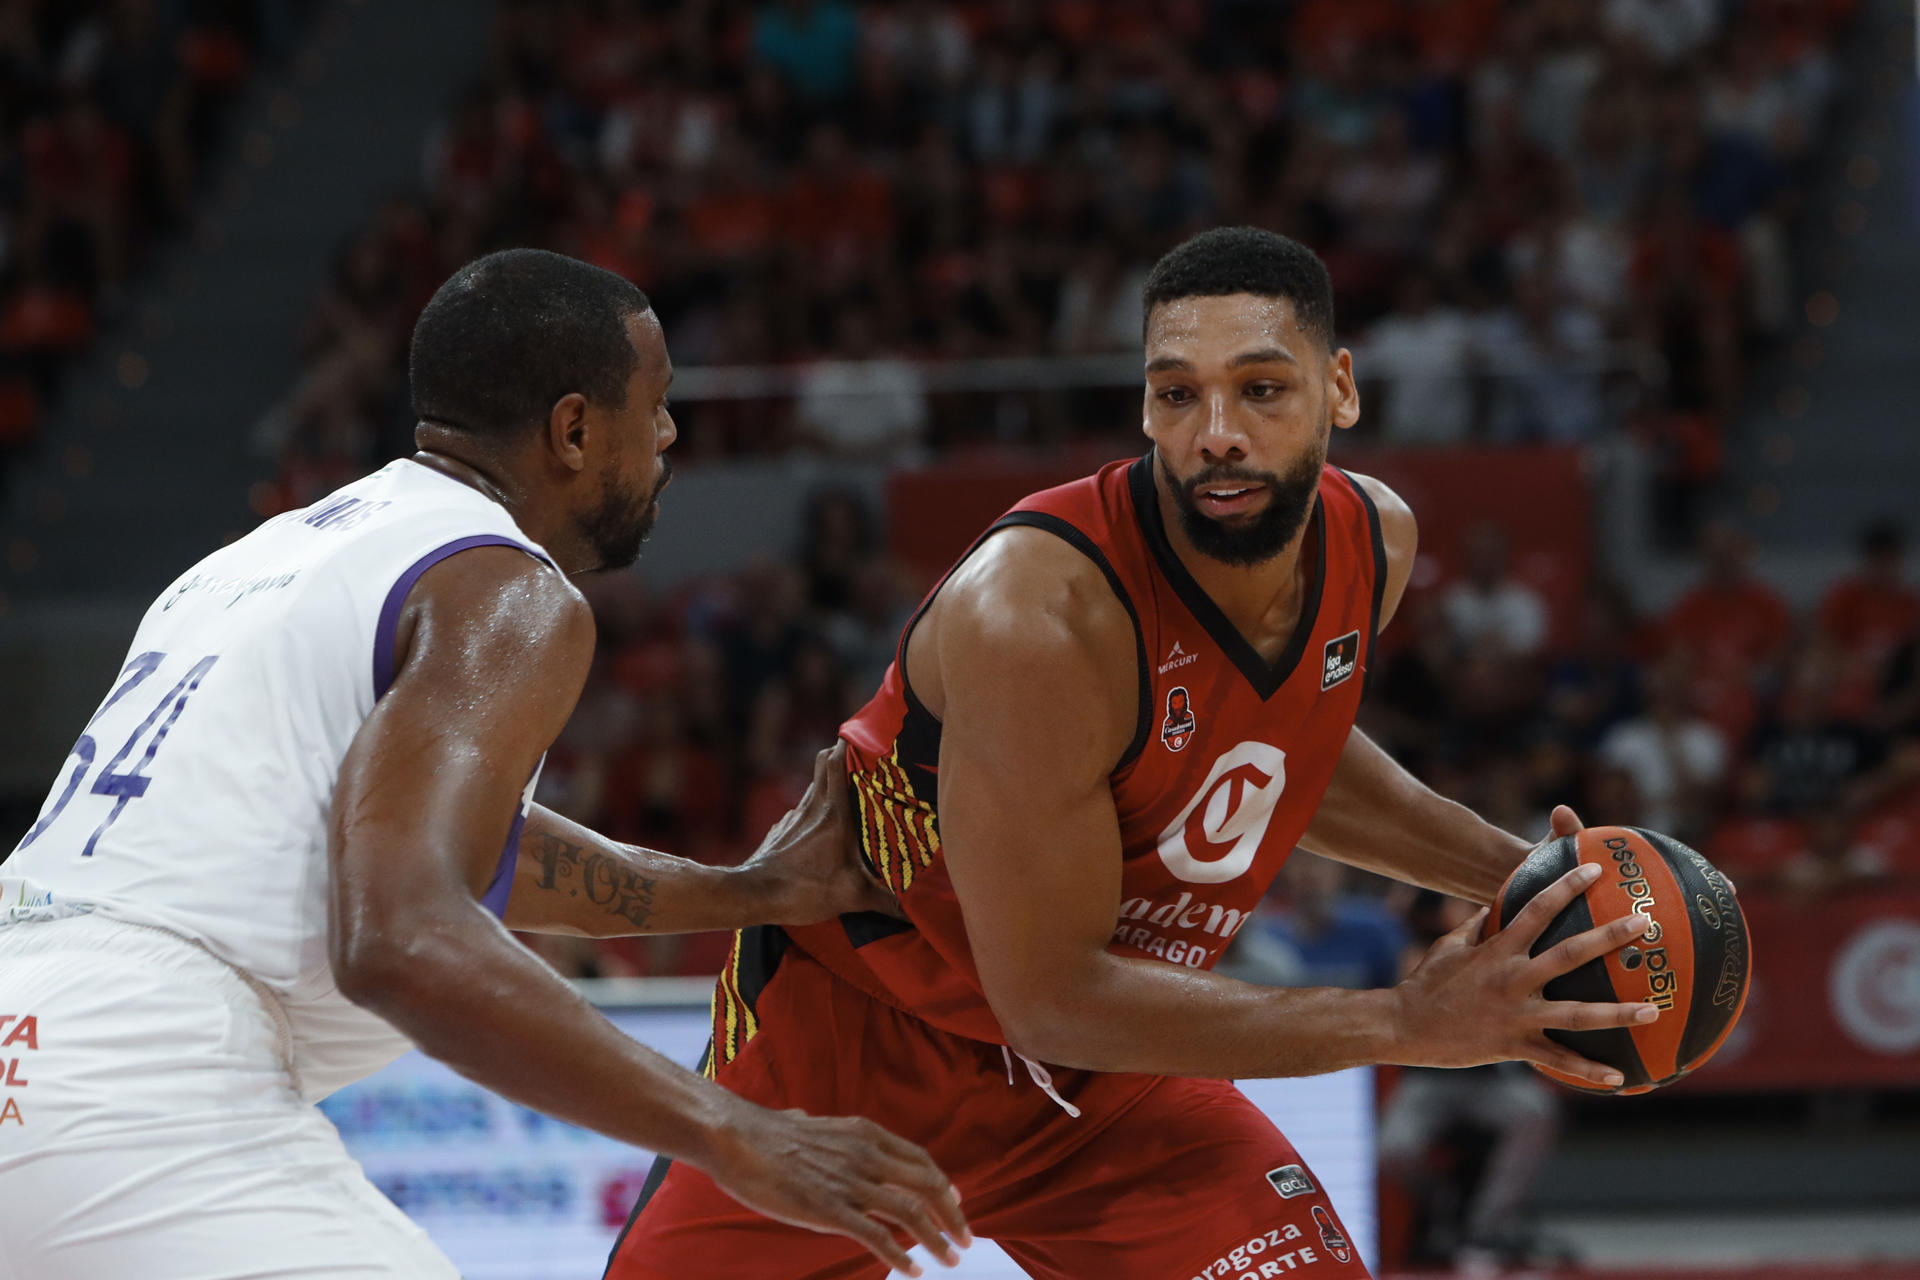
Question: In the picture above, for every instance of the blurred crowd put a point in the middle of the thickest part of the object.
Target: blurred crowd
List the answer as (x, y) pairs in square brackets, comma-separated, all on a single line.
[(109, 110), (1544, 218)]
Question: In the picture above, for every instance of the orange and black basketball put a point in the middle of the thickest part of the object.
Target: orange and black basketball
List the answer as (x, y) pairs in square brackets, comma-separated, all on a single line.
[(1693, 963)]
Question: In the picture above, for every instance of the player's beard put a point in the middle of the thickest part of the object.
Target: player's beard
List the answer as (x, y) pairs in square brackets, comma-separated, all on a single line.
[(623, 520), (1261, 537)]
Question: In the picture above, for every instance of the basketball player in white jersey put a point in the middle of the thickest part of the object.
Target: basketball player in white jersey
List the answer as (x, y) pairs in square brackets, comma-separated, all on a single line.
[(291, 841)]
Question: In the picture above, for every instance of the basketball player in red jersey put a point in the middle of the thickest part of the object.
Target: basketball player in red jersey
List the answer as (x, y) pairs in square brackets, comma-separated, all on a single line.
[(1103, 734)]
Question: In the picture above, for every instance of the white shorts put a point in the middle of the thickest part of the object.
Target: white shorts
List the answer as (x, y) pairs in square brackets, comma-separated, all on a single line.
[(149, 1127)]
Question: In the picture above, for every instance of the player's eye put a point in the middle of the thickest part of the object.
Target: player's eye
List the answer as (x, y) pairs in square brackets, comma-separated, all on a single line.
[(1175, 395), (1264, 390)]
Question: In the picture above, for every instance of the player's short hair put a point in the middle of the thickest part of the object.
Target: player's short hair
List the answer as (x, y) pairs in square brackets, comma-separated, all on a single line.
[(511, 333), (1229, 260)]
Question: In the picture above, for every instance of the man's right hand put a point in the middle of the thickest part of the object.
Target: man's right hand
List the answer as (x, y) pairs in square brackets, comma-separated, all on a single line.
[(1472, 1001), (844, 1175)]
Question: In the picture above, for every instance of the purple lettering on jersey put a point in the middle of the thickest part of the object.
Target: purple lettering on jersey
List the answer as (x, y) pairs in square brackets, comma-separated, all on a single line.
[(343, 513), (383, 631)]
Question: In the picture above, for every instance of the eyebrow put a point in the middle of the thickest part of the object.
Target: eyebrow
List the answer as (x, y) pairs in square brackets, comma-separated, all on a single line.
[(1265, 355)]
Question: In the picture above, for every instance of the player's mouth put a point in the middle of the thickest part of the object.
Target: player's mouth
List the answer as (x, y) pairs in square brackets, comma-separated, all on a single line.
[(1224, 501)]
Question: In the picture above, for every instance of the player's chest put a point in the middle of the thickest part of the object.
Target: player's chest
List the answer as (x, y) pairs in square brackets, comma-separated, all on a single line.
[(1236, 755)]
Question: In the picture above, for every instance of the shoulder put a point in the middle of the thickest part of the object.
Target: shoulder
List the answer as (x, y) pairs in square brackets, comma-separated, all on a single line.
[(1026, 626), (497, 603), (1029, 588), (1399, 535), (1397, 526)]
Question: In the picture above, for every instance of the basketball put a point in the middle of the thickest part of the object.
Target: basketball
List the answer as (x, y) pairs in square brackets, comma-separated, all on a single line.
[(1693, 964)]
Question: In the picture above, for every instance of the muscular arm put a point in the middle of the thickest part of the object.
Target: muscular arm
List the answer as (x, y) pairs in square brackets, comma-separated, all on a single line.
[(573, 880), (569, 879), (1035, 673), (492, 653), (1028, 660), (1378, 816), (495, 650)]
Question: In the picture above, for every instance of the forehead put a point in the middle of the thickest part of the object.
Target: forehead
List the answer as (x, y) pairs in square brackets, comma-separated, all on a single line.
[(1212, 330), (650, 344)]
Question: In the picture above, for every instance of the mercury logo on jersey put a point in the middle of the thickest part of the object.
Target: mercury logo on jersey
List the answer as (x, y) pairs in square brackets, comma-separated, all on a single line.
[(1218, 835), (1177, 657), (1342, 660)]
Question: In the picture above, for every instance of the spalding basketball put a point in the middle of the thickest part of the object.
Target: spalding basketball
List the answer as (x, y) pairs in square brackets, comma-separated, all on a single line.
[(1692, 964)]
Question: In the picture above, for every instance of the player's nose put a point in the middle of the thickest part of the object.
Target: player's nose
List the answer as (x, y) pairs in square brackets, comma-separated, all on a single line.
[(1221, 438)]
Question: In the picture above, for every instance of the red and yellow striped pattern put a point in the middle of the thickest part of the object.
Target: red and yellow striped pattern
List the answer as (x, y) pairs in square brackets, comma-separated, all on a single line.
[(898, 831), (733, 1021)]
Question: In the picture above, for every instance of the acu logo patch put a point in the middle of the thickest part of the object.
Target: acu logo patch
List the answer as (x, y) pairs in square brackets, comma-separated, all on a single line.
[(1291, 1180), (1342, 660)]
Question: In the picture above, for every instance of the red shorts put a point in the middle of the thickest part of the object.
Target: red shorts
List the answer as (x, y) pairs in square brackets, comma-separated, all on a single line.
[(1158, 1179)]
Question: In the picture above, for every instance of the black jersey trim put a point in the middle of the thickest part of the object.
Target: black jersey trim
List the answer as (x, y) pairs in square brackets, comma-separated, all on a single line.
[(1379, 572), (1266, 679), (761, 948), (1077, 538), (865, 927)]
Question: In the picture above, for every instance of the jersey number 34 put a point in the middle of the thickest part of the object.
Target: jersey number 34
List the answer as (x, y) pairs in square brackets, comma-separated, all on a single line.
[(129, 786)]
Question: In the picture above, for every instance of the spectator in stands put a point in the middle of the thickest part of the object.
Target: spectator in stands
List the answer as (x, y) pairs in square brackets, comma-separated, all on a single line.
[(1412, 701), (1342, 939), (759, 643), (1545, 360), (865, 634), (836, 540), (812, 44), (1424, 351), (1730, 622), (1676, 759), (1596, 684), (868, 406), (1867, 616), (1810, 757), (1507, 1113), (1487, 609)]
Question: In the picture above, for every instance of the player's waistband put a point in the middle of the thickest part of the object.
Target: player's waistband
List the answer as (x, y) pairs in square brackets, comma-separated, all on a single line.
[(88, 931)]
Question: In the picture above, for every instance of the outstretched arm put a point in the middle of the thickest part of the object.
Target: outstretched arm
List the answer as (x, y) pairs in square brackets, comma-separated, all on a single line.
[(492, 653), (570, 879)]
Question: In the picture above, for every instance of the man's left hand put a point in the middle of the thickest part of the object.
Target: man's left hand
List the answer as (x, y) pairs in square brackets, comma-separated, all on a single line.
[(810, 860)]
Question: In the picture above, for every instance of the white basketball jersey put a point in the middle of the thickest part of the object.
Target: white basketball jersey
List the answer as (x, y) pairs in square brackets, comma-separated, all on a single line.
[(197, 798)]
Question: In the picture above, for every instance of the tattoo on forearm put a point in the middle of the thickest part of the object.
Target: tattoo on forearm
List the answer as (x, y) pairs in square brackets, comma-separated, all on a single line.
[(622, 890)]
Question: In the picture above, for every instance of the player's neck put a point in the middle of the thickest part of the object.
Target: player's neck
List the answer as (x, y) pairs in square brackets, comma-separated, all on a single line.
[(1262, 600), (499, 484)]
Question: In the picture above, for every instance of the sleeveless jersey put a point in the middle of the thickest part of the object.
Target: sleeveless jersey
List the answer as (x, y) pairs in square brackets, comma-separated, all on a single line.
[(1230, 759), (197, 798)]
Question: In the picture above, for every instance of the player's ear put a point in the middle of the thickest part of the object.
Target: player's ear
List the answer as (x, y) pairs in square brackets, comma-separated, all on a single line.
[(1343, 393), (567, 429)]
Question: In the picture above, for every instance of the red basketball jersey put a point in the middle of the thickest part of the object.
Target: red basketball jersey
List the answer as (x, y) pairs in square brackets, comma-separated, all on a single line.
[(1228, 764)]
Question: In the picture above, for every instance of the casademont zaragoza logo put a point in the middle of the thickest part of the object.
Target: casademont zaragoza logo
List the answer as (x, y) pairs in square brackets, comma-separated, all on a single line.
[(1217, 836)]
